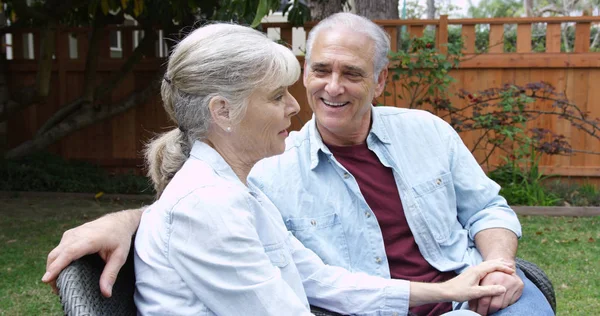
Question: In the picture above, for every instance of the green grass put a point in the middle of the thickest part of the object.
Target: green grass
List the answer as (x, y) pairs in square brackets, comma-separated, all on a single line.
[(29, 229), (567, 248)]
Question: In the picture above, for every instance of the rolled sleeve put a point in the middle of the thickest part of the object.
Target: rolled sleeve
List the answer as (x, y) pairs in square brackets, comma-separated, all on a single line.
[(477, 197)]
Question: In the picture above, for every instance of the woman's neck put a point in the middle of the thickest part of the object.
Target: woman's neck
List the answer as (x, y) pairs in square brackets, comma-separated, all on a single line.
[(236, 159)]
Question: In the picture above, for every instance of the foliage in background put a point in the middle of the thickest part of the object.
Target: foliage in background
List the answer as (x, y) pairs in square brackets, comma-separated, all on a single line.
[(44, 172), (574, 194), (94, 103), (499, 115)]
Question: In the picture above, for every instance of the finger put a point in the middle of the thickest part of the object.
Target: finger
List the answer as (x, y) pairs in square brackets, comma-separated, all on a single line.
[(64, 258), (487, 292), (113, 265), (484, 304), (496, 303), (473, 304), (54, 287), (490, 266)]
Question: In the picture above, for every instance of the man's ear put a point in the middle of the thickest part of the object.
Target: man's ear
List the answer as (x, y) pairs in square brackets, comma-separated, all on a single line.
[(219, 110), (305, 73), (381, 81)]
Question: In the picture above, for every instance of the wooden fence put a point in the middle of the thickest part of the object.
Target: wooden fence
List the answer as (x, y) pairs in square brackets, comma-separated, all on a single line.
[(117, 143)]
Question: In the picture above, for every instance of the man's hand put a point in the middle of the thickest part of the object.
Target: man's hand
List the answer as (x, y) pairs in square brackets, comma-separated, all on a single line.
[(110, 236), (463, 287), (491, 304)]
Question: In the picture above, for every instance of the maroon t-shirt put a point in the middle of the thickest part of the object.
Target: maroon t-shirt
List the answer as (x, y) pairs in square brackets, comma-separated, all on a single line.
[(377, 185)]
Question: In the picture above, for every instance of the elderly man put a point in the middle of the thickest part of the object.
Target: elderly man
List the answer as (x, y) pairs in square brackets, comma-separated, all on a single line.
[(390, 192)]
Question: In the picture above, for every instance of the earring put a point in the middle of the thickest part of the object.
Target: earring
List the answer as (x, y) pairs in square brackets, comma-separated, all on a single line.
[(228, 129)]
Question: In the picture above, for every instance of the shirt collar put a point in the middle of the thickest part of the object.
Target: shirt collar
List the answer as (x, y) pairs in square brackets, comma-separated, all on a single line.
[(202, 151), (378, 131)]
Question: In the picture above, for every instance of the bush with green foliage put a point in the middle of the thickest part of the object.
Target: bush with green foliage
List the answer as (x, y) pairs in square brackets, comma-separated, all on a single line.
[(45, 172), (420, 77)]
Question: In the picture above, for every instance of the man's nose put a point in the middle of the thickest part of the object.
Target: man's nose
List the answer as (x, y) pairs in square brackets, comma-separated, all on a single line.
[(334, 85)]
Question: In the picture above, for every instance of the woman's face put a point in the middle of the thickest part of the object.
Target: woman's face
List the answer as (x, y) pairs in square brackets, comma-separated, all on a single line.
[(263, 130)]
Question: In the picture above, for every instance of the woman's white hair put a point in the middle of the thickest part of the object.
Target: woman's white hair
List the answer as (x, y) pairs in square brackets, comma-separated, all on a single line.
[(225, 60), (358, 24)]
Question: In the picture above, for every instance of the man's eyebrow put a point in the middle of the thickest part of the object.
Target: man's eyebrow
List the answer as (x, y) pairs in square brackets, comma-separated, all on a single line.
[(319, 65), (354, 69)]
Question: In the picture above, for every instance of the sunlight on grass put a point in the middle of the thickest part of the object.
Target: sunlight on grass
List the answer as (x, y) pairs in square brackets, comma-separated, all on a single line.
[(567, 248)]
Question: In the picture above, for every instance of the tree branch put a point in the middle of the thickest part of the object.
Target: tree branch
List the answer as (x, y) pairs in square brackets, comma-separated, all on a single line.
[(106, 87), (85, 117)]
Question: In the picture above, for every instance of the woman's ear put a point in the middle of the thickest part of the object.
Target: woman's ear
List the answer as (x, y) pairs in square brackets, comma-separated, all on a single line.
[(219, 110)]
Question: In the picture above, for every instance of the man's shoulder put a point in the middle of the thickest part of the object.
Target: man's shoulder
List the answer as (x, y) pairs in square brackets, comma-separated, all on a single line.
[(294, 159)]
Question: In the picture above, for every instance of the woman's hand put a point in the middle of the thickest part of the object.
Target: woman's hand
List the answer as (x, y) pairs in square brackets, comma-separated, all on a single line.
[(465, 286)]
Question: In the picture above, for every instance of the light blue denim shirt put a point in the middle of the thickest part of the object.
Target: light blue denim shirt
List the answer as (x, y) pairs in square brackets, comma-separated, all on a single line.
[(212, 246), (446, 196)]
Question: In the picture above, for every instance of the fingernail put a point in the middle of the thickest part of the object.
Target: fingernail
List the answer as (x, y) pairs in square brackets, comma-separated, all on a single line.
[(46, 277)]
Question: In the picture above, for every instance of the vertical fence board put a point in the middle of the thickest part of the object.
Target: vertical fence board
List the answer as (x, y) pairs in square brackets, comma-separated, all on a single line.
[(523, 38), (582, 37), (496, 38), (553, 38), (441, 34), (468, 36)]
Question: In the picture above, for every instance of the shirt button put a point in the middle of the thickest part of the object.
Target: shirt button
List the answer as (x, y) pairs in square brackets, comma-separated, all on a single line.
[(346, 175), (313, 222), (378, 260), (395, 314), (438, 181), (367, 214)]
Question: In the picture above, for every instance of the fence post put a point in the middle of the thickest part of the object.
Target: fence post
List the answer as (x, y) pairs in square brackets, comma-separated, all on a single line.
[(442, 35), (553, 38), (582, 37), (62, 56), (468, 37), (496, 38), (524, 38)]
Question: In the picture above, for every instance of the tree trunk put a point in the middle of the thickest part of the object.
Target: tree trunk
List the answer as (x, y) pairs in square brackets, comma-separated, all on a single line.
[(430, 9), (320, 9), (528, 4), (378, 10)]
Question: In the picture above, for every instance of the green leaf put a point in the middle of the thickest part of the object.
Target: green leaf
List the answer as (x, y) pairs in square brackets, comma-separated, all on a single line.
[(105, 7), (261, 11)]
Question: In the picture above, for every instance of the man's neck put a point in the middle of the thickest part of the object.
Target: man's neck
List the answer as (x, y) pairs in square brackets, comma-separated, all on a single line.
[(354, 135)]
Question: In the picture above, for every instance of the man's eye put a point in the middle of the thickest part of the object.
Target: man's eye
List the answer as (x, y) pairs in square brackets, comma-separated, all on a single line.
[(320, 71), (279, 97)]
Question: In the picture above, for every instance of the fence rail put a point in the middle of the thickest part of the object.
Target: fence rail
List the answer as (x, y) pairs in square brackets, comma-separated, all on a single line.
[(117, 143)]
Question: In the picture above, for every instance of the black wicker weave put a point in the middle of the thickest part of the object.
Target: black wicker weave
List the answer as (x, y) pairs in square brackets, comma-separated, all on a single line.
[(540, 279), (80, 293)]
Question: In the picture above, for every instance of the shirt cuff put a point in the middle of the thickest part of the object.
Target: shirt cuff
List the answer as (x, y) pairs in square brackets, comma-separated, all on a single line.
[(397, 295)]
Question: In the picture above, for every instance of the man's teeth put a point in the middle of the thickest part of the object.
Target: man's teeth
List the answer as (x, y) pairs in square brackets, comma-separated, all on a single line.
[(333, 103)]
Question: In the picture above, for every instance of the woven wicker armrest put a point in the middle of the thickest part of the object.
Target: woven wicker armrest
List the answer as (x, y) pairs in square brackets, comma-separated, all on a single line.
[(80, 295)]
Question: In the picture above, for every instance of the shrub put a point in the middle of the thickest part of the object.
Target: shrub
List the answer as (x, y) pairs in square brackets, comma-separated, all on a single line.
[(45, 172)]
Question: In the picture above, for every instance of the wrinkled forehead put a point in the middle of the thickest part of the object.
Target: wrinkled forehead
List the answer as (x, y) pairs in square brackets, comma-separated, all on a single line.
[(343, 46)]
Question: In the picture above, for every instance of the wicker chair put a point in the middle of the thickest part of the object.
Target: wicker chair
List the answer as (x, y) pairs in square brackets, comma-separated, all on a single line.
[(80, 292)]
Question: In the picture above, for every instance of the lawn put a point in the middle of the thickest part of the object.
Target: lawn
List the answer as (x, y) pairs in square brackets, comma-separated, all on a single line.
[(567, 248)]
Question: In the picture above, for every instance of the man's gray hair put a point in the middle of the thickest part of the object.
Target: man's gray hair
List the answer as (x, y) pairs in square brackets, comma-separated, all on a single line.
[(358, 24), (225, 60)]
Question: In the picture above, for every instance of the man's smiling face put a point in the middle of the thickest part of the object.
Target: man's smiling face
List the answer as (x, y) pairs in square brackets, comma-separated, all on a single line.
[(340, 83)]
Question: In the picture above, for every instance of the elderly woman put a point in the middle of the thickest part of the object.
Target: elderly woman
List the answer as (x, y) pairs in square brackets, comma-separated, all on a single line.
[(214, 244)]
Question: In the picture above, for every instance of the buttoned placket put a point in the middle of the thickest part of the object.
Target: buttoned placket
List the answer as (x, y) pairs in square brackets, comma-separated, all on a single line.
[(375, 236), (416, 222)]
